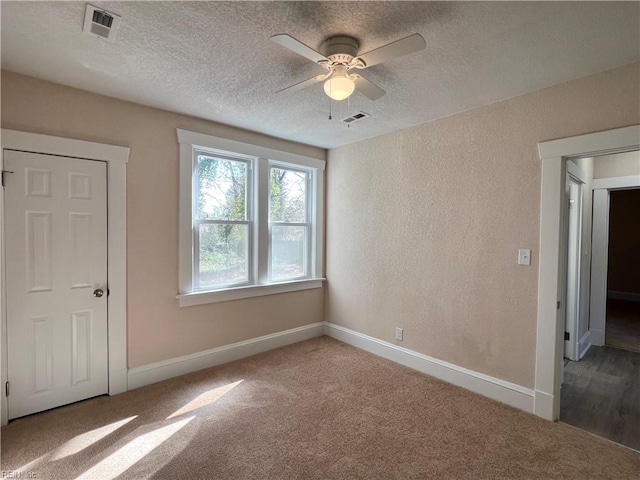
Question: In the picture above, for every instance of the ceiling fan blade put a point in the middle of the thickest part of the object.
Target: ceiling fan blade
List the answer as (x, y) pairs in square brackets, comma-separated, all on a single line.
[(368, 89), (298, 47), (405, 46), (303, 84)]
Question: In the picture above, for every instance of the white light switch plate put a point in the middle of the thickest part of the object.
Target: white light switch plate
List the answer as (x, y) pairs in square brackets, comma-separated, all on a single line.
[(524, 257), (399, 334)]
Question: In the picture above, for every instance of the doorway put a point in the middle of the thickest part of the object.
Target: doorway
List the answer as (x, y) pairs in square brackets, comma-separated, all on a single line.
[(623, 255), (622, 327), (56, 271), (551, 278), (57, 151), (601, 387)]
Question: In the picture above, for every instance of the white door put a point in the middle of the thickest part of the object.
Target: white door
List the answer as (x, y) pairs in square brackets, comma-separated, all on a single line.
[(574, 194), (56, 269)]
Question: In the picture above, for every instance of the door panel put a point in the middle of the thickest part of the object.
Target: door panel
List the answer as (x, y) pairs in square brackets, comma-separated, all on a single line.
[(56, 248), (574, 248)]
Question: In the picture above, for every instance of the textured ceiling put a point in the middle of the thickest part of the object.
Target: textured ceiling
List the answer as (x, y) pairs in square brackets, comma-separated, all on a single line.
[(214, 60)]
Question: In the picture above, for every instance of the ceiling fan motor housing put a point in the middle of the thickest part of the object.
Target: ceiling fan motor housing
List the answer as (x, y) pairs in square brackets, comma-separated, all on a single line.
[(340, 49)]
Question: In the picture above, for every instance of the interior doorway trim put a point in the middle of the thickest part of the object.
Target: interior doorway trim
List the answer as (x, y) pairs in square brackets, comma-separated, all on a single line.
[(602, 189), (552, 270), (116, 158)]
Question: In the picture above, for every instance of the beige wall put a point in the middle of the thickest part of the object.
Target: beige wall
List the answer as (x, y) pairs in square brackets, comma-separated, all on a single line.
[(623, 273), (424, 224), (619, 165), (157, 328)]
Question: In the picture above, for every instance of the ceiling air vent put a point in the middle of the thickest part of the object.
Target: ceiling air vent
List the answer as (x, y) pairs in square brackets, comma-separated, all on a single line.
[(101, 23), (356, 117)]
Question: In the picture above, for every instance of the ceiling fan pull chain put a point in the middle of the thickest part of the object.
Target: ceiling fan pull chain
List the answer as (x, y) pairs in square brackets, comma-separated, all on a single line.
[(330, 103)]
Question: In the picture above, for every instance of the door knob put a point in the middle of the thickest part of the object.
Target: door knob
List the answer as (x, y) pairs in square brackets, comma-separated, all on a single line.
[(98, 293)]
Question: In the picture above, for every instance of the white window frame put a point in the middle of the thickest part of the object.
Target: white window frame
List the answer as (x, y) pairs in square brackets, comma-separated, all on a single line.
[(308, 261), (249, 221), (261, 158)]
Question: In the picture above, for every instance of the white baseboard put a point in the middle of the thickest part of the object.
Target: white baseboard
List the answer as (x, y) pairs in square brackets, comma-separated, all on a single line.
[(584, 344), (509, 393), (494, 388), (543, 405), (596, 338), (156, 372), (629, 296)]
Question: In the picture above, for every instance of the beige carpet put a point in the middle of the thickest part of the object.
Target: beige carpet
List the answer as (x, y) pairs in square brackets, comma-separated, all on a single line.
[(315, 410)]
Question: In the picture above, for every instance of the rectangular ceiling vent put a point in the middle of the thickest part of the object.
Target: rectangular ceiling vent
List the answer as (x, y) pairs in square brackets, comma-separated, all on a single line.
[(355, 118), (101, 23)]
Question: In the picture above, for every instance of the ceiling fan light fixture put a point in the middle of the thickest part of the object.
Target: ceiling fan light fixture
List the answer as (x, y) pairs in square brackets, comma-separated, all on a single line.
[(340, 85), (341, 54)]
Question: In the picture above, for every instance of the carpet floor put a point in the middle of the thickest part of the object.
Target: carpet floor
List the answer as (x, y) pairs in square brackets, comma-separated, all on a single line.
[(319, 409)]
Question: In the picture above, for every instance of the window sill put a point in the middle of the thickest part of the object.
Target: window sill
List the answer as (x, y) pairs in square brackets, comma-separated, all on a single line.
[(238, 293)]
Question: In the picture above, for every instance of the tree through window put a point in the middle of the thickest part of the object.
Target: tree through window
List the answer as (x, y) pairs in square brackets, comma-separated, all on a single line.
[(289, 223), (222, 222), (251, 220)]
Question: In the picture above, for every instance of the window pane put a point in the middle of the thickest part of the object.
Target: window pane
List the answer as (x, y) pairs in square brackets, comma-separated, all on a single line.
[(222, 186), (223, 255), (288, 196), (288, 252)]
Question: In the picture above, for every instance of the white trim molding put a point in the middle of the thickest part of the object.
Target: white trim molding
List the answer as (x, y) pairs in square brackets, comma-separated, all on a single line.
[(552, 268), (201, 298), (602, 189), (500, 390), (599, 266), (259, 161), (116, 158), (174, 367), (234, 147), (577, 172), (65, 147), (616, 183), (505, 392), (584, 344), (608, 142)]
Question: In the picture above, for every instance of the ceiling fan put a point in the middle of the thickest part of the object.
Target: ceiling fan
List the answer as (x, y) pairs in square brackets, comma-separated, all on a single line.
[(340, 55)]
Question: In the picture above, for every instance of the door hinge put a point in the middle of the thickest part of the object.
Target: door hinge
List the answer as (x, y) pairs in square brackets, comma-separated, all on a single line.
[(572, 203), (558, 305), (4, 172), (6, 389), (567, 336)]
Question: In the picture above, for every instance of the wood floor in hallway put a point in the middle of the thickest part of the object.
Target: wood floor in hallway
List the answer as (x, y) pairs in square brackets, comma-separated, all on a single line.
[(623, 325), (601, 394)]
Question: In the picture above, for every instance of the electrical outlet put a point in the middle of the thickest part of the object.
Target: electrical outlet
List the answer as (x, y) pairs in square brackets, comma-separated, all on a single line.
[(524, 257), (399, 334)]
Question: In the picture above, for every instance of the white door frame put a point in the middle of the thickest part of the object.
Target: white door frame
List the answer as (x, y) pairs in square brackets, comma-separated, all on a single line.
[(552, 271), (116, 158), (600, 250)]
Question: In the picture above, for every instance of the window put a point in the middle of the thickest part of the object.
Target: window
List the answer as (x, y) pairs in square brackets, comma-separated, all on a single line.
[(250, 220), (221, 222), (289, 223)]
